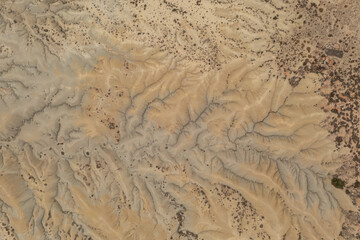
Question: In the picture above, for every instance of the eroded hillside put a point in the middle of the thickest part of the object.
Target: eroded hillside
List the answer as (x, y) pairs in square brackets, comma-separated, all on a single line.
[(179, 119)]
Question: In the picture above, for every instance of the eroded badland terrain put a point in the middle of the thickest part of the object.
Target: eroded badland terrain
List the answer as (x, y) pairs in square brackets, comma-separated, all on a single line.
[(179, 119)]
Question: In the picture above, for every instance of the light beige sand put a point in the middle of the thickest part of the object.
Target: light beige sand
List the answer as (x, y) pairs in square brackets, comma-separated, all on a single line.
[(164, 120)]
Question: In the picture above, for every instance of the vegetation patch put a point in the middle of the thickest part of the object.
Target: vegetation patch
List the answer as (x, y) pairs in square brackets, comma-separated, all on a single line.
[(337, 182)]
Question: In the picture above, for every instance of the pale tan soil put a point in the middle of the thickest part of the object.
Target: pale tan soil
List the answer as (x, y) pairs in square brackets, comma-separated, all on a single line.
[(178, 119)]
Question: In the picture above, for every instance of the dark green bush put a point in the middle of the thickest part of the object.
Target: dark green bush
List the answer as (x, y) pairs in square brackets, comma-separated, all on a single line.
[(337, 182)]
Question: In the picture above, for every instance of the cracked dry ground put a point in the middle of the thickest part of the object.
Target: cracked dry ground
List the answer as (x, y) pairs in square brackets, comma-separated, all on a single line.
[(179, 119)]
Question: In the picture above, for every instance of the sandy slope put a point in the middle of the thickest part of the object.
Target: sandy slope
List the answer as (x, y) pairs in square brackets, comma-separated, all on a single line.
[(165, 120)]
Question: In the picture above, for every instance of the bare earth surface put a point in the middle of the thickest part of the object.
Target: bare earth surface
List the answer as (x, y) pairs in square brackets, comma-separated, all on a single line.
[(179, 119)]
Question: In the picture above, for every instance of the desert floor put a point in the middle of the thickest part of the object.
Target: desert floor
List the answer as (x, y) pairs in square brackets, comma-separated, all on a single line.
[(179, 119)]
